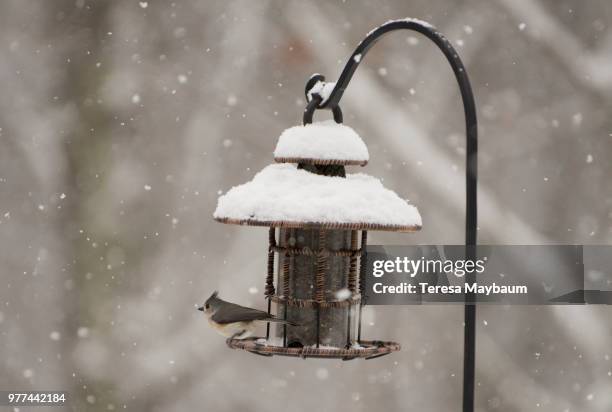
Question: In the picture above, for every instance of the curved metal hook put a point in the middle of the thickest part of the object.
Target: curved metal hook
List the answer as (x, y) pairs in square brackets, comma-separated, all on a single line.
[(467, 96), (471, 169)]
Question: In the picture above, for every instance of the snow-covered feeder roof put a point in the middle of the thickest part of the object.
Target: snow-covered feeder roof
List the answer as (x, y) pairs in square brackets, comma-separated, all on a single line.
[(324, 143), (281, 195)]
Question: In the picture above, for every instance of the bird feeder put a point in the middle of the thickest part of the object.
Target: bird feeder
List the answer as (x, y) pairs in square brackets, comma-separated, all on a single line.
[(319, 217)]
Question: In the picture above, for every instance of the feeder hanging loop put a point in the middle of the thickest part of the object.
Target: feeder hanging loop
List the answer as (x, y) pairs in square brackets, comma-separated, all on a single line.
[(317, 93), (313, 104)]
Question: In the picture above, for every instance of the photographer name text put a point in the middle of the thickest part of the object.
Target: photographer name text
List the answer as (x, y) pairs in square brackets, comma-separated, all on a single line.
[(426, 288)]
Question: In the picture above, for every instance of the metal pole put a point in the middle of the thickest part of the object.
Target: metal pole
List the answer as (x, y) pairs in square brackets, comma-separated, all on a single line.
[(471, 166)]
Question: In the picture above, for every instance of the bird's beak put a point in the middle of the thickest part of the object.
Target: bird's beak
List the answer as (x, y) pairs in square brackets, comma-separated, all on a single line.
[(201, 308)]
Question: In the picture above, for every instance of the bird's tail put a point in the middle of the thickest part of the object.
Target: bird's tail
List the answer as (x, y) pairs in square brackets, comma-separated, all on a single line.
[(283, 321)]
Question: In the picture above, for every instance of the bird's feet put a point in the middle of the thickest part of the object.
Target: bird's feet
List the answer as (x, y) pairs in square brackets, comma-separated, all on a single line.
[(236, 335)]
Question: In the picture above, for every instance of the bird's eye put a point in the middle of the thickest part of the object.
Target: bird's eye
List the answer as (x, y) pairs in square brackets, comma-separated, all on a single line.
[(207, 306)]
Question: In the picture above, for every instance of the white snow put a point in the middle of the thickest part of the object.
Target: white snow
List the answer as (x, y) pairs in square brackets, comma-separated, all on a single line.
[(282, 192), (407, 19), (343, 294), (417, 21), (83, 332), (326, 140), (323, 89), (232, 100), (322, 373), (272, 341)]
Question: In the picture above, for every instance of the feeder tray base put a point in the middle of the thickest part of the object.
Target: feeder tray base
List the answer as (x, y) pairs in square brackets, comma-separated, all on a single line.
[(366, 349)]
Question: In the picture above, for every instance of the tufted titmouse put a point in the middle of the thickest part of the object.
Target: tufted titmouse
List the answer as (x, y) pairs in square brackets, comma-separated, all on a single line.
[(235, 321)]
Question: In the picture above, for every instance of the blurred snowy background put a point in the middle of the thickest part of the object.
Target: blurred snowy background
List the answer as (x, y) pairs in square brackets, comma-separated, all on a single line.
[(122, 121)]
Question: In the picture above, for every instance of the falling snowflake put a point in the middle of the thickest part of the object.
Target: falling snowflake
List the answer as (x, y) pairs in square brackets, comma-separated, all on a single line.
[(322, 374), (343, 294)]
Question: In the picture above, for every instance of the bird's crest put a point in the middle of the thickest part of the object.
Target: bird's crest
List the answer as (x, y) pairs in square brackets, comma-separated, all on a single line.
[(212, 297)]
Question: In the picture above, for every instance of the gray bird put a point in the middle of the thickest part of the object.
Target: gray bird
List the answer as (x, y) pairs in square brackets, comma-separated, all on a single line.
[(235, 321)]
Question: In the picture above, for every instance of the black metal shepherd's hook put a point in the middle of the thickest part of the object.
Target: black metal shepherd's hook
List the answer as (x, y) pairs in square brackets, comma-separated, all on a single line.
[(318, 100)]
